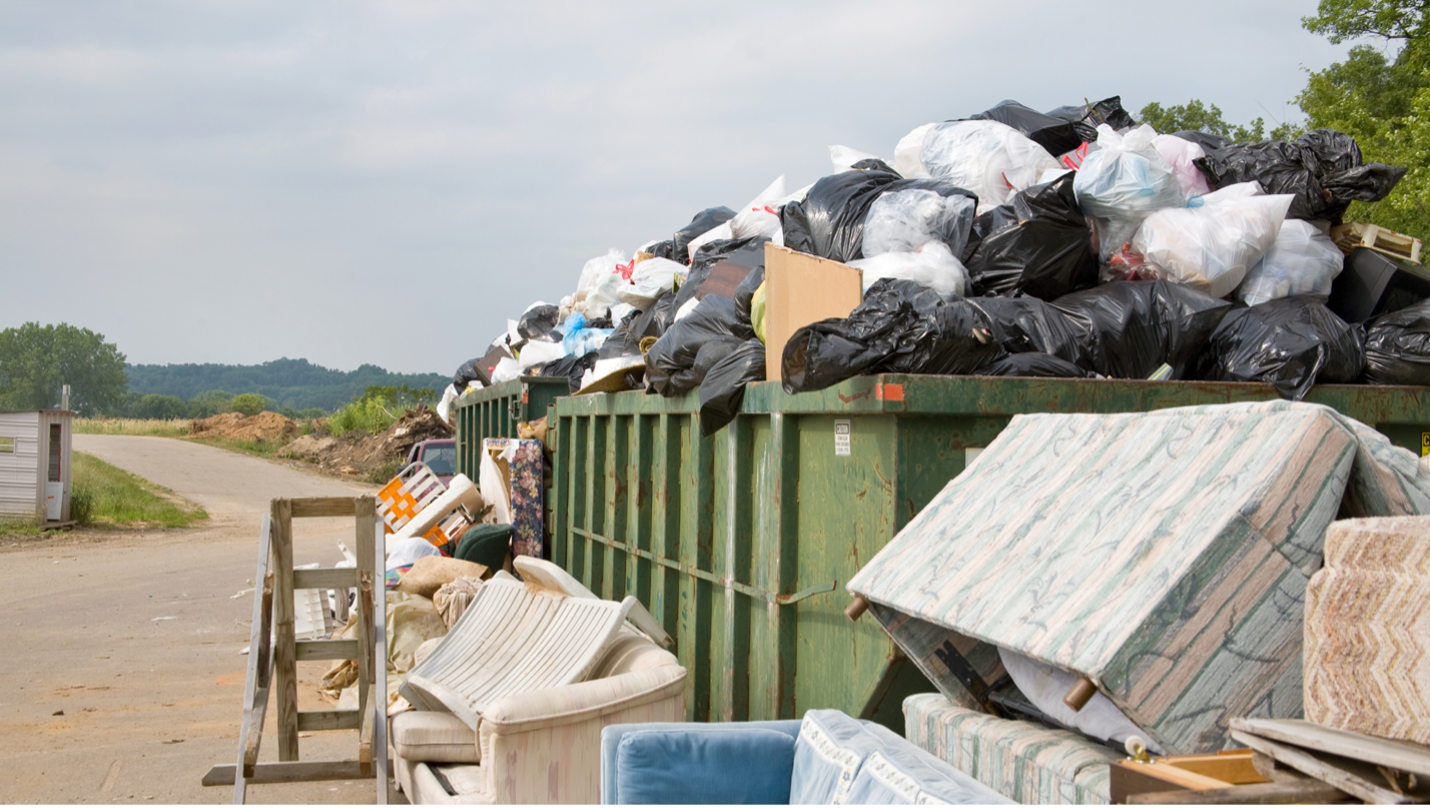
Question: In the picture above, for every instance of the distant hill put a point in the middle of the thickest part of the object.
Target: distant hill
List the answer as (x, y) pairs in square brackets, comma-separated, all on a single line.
[(298, 384)]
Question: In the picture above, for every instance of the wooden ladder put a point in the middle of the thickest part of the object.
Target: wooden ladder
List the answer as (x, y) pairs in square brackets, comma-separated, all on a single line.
[(273, 654)]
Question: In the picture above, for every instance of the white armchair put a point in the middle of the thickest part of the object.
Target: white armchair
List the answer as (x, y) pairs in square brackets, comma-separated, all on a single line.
[(540, 746)]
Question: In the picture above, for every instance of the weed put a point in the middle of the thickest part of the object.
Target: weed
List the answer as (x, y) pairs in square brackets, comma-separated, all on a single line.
[(167, 428), (112, 498)]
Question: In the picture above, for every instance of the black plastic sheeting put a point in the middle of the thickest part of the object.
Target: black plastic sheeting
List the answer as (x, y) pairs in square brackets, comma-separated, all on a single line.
[(723, 389), (1293, 343), (901, 327), (1322, 169), (830, 221), (687, 351), (539, 321), (705, 221), (1057, 135), (1039, 244), (1085, 119), (1208, 141), (1397, 347), (1033, 364), (573, 368)]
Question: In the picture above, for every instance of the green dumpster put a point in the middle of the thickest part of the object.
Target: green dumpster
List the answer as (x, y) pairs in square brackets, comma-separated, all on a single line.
[(741, 543), (494, 412)]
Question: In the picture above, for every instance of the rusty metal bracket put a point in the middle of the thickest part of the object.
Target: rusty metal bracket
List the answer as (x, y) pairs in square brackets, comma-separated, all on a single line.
[(785, 601)]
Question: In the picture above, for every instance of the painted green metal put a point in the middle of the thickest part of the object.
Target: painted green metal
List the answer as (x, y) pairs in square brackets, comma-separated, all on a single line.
[(740, 544), (494, 413)]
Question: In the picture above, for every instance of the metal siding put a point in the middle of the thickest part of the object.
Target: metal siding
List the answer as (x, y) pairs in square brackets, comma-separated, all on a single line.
[(21, 492)]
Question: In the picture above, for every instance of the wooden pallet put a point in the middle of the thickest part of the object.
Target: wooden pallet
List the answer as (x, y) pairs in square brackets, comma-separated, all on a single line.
[(1382, 240), (274, 654)]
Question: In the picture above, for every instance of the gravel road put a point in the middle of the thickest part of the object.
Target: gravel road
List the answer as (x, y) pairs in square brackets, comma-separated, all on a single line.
[(126, 687)]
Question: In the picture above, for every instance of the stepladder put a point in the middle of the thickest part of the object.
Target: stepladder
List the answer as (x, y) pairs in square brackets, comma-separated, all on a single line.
[(274, 653)]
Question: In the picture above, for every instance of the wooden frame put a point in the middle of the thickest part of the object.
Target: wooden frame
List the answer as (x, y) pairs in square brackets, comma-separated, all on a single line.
[(274, 654)]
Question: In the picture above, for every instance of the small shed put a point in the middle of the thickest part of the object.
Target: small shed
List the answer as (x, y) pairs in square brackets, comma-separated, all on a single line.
[(35, 464)]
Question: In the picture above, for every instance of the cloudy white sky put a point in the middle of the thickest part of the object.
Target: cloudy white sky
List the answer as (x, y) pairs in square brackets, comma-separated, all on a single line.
[(388, 182)]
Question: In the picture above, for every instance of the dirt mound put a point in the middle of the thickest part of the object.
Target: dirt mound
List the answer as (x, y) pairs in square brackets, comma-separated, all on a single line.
[(370, 456), (268, 427)]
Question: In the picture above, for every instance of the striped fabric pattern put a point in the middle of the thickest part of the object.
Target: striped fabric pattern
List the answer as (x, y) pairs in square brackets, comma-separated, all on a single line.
[(1367, 664), (1164, 555), (1025, 762)]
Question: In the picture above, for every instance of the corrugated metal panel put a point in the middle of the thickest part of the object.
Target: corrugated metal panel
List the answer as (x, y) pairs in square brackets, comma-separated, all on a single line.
[(20, 493)]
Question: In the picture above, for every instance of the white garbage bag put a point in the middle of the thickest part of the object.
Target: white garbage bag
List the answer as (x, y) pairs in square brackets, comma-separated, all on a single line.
[(932, 265), (1179, 154), (991, 159), (650, 279), (904, 221), (1123, 182), (601, 282), (1212, 246), (1303, 261)]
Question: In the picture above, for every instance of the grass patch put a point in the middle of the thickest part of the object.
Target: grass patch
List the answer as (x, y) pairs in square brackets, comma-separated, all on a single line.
[(164, 428), (105, 496), (261, 449)]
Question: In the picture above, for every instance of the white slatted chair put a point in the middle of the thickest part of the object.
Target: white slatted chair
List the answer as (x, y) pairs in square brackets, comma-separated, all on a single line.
[(513, 639)]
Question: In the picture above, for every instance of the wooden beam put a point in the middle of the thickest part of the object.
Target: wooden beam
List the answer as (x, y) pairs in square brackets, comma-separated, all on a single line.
[(342, 649), (287, 772), (258, 633), (1309, 792), (1402, 756), (1356, 784), (323, 506), (329, 720), (284, 665), (255, 733), (332, 578)]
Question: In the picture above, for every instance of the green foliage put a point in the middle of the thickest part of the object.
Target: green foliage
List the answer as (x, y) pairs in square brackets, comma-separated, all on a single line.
[(111, 497), (376, 409), (248, 404), (209, 403), (1195, 115), (156, 406), (1382, 102), (35, 361), (298, 384)]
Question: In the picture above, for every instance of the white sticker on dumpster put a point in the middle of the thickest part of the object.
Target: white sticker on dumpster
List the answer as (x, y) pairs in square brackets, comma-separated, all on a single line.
[(841, 438)]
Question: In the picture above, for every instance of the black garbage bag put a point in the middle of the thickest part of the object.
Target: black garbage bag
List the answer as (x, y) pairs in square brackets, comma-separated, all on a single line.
[(665, 249), (1032, 325), (745, 293), (539, 321), (1208, 141), (652, 322), (1397, 347), (1033, 364), (901, 327), (705, 221), (723, 388), (1057, 135), (1292, 342), (573, 368), (1128, 329), (830, 221), (1039, 244), (1322, 169), (692, 345), (1086, 118), (720, 266)]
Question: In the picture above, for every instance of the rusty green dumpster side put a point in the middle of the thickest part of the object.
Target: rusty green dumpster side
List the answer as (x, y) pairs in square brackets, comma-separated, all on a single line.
[(741, 543), (494, 412)]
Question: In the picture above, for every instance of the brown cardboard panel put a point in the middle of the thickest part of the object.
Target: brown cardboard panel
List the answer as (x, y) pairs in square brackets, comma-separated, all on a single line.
[(801, 289)]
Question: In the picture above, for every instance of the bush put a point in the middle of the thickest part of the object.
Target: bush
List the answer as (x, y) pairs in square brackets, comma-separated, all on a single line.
[(248, 404)]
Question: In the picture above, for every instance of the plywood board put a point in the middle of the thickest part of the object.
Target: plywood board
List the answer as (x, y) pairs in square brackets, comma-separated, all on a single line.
[(801, 289)]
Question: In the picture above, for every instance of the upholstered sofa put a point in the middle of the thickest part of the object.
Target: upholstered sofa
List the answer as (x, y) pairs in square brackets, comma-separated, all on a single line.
[(825, 758), (539, 746)]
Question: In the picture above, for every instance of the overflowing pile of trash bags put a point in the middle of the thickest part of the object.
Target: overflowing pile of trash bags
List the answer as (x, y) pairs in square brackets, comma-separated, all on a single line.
[(1072, 243)]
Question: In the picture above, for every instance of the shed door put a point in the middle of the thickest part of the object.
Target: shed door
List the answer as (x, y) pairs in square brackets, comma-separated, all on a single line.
[(54, 454)]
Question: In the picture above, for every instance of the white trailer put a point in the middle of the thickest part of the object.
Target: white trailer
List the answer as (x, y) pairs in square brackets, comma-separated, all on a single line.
[(35, 464)]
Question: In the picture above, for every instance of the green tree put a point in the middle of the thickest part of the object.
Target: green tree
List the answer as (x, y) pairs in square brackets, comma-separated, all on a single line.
[(35, 361), (209, 403), (157, 406), (249, 404), (1196, 115), (1383, 101)]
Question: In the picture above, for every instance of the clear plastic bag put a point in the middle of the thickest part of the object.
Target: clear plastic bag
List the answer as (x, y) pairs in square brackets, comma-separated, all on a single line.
[(600, 281), (904, 221), (1123, 182), (650, 280), (1211, 247), (991, 159), (933, 265), (1302, 261), (1179, 154)]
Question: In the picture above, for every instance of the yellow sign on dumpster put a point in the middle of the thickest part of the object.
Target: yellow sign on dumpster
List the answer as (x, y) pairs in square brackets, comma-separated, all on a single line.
[(1424, 444)]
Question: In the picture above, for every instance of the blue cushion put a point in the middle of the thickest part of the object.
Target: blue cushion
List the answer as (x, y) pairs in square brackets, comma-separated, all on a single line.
[(690, 766), (901, 773), (827, 757)]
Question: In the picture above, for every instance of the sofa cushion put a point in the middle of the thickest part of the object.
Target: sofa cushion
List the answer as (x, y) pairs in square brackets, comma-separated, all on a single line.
[(688, 766), (827, 757), (901, 773), (433, 736)]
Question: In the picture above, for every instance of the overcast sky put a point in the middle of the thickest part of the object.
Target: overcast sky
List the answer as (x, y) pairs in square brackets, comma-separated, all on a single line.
[(388, 182)]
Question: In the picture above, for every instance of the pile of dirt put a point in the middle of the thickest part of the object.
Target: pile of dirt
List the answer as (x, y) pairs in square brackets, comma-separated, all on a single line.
[(370, 456), (268, 427)]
